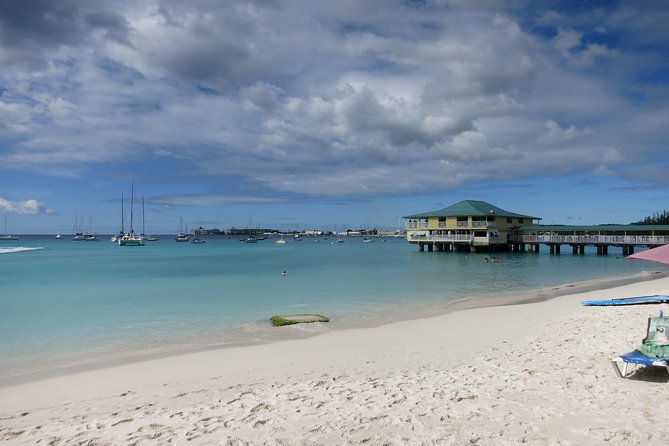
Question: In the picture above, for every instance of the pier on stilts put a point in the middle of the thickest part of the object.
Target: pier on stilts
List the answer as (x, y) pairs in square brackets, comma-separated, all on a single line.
[(478, 226), (602, 238)]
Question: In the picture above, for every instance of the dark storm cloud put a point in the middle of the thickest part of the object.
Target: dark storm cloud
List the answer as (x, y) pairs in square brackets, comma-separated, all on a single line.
[(30, 29)]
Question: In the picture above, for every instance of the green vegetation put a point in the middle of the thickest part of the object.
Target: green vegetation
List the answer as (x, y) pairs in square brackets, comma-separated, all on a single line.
[(290, 319), (655, 219)]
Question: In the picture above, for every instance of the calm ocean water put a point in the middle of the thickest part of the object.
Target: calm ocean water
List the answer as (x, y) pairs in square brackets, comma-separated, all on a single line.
[(65, 303)]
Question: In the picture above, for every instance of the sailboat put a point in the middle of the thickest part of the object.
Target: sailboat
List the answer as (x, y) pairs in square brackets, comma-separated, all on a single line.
[(116, 237), (130, 238), (78, 234), (145, 237), (88, 236), (251, 238), (6, 235), (182, 236)]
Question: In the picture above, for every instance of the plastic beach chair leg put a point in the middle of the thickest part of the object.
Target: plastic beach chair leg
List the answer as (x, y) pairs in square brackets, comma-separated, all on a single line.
[(615, 363)]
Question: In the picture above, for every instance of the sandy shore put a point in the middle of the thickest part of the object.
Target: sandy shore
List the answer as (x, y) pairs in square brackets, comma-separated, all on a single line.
[(536, 373)]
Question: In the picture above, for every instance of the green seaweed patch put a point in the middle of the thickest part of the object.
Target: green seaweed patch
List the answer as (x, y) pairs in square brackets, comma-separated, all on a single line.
[(291, 319)]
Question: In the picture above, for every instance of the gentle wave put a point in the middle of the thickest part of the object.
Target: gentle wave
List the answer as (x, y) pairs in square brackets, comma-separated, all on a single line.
[(17, 249)]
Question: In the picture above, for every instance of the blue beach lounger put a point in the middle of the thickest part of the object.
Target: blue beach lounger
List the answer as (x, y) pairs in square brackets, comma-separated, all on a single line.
[(654, 350), (636, 357)]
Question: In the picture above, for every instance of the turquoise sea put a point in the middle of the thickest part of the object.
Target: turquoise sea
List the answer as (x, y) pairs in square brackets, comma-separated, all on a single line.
[(67, 304)]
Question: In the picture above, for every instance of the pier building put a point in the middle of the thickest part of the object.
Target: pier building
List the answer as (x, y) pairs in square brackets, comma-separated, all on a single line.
[(466, 226), (479, 226)]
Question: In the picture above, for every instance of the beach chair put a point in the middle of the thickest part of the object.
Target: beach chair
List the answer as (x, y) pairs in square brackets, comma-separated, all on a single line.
[(654, 350), (636, 357)]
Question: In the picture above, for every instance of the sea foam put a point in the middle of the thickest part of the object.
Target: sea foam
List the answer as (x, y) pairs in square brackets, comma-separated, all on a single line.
[(17, 249)]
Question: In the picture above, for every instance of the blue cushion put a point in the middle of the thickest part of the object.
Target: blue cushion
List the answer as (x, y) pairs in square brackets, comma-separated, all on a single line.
[(636, 357)]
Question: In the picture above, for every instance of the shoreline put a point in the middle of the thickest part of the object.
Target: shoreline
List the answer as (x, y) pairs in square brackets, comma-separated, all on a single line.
[(269, 334), (298, 332), (535, 373)]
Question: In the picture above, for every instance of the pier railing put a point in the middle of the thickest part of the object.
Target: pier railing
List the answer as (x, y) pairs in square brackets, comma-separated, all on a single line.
[(442, 224), (592, 239), (419, 236)]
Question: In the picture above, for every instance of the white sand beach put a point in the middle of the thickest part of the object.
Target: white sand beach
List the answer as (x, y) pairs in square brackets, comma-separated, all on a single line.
[(535, 373)]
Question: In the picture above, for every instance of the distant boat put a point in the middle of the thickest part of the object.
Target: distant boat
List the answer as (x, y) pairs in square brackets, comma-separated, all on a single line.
[(89, 236), (130, 238), (116, 237), (59, 237), (182, 236), (78, 232), (6, 235), (280, 242), (145, 237), (251, 237), (367, 240), (198, 241)]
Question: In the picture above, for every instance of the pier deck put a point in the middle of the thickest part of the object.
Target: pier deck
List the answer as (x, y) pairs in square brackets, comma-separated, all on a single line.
[(530, 238), (627, 237)]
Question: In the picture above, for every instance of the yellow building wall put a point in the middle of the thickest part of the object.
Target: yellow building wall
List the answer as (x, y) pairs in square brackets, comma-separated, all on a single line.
[(501, 224), (450, 224)]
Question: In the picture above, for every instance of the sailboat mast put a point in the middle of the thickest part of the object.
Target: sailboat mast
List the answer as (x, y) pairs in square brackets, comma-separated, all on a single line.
[(122, 217), (143, 232), (132, 202)]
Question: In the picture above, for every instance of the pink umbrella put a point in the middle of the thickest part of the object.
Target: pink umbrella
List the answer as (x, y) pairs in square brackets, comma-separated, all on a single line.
[(659, 254)]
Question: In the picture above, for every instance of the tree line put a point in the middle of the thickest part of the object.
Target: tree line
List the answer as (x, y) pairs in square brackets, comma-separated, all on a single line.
[(658, 218)]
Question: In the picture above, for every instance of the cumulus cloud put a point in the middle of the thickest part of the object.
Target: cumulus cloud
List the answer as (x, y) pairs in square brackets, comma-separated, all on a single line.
[(557, 134), (566, 40), (352, 98), (260, 97), (25, 207)]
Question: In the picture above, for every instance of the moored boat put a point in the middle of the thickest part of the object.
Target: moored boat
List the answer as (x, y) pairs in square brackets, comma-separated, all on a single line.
[(130, 238), (182, 236), (7, 236)]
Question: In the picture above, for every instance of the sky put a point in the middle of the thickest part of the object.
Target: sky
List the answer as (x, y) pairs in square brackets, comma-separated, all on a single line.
[(340, 114)]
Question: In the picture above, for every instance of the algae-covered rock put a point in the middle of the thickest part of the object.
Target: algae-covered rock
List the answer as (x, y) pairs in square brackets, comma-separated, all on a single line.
[(290, 319)]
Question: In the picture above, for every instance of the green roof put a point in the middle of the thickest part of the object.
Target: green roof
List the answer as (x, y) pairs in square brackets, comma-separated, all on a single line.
[(471, 208)]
